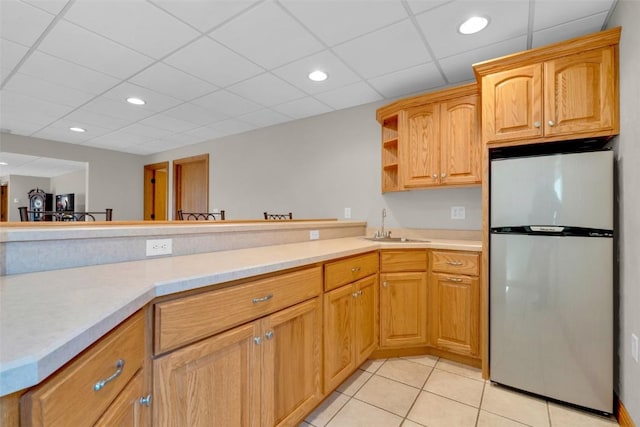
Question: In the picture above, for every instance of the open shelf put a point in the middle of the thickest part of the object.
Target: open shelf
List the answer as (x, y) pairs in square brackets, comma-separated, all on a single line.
[(390, 173)]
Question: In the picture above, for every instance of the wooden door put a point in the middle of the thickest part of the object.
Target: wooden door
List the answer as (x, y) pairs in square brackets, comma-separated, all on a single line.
[(339, 339), (460, 146), (292, 363), (4, 203), (580, 94), (403, 309), (191, 184), (512, 104), (126, 410), (366, 322), (215, 382), (420, 149), (156, 191), (455, 317)]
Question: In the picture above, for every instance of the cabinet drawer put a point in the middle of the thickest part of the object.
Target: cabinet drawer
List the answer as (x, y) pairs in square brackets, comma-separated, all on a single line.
[(69, 397), (194, 317), (455, 262), (406, 260), (347, 270)]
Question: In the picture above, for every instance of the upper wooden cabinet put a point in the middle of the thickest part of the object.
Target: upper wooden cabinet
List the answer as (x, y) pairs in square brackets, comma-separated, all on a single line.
[(568, 90), (431, 140)]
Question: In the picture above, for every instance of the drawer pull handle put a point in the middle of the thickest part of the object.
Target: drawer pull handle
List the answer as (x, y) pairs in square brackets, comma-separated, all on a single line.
[(145, 401), (262, 299), (454, 279), (268, 335), (357, 294), (355, 269), (454, 263), (116, 374)]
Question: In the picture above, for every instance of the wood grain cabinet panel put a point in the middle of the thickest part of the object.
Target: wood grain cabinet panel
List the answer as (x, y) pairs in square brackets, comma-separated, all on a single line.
[(403, 309), (421, 146), (347, 270), (128, 410)]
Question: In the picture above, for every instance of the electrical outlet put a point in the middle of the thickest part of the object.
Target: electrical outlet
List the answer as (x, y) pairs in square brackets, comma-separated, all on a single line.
[(634, 347), (347, 213), (457, 212), (314, 234), (159, 247)]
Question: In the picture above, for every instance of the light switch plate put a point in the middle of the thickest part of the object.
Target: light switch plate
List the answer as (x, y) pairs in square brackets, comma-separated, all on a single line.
[(314, 234), (457, 212), (347, 213), (634, 347), (159, 247)]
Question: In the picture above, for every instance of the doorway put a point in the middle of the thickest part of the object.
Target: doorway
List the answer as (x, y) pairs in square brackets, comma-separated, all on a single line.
[(156, 191), (191, 184), (4, 202)]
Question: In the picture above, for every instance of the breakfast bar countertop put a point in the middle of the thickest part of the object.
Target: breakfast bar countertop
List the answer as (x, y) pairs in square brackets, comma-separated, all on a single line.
[(48, 317)]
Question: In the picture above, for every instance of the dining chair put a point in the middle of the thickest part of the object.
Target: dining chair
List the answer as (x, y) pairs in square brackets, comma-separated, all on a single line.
[(278, 216), (201, 216)]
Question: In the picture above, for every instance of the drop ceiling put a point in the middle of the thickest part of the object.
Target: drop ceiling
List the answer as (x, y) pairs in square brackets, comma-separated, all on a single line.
[(211, 68)]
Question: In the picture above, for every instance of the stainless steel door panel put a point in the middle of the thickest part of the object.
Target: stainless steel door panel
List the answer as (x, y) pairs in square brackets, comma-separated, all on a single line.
[(551, 317), (560, 189)]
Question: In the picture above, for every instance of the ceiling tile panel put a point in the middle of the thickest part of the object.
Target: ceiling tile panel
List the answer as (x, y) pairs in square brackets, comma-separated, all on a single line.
[(507, 19), (570, 30), (75, 44), (67, 74), (195, 114), (458, 68), (265, 117), (230, 127), (165, 79), (304, 107), (297, 72), (400, 43), (147, 131), (59, 133), (92, 130), (155, 101), (335, 22), (227, 103), (34, 110), (89, 119), (213, 62), (22, 23), (51, 6), (118, 109), (411, 80), (166, 122), (204, 14), (118, 139), (267, 35), (549, 13), (418, 6), (349, 96), (38, 88), (11, 53), (267, 90), (133, 23)]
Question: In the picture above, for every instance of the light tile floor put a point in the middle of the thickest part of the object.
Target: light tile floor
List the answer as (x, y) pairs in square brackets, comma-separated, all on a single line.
[(427, 391)]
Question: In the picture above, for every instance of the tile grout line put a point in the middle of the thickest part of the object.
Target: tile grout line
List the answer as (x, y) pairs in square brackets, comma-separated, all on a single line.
[(418, 395)]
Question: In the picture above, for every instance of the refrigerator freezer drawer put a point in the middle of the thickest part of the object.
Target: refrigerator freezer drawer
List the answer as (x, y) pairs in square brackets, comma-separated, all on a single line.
[(551, 317)]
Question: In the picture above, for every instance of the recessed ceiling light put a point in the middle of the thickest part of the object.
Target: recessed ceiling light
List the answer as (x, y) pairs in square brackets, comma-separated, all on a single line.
[(473, 25), (136, 101), (77, 129), (4, 164), (318, 76)]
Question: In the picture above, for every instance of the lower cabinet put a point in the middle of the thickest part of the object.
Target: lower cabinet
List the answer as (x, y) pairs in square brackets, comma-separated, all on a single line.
[(454, 292), (350, 329), (265, 372), (403, 298)]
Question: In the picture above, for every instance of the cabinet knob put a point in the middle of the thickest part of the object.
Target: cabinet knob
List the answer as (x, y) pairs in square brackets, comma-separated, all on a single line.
[(536, 124), (443, 175), (268, 335), (552, 123), (385, 284), (145, 401), (119, 366), (434, 176), (257, 340)]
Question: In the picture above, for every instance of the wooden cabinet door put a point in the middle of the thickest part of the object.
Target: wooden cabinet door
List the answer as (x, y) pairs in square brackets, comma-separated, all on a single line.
[(403, 309), (339, 339), (460, 135), (214, 382), (292, 363), (512, 104), (580, 93), (454, 316), (126, 410), (366, 323), (421, 146)]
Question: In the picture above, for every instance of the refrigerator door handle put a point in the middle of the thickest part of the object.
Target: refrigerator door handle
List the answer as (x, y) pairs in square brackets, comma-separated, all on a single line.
[(547, 228)]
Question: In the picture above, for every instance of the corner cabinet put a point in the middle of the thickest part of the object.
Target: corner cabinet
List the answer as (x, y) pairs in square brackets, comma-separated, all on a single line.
[(568, 90), (260, 363), (436, 140), (350, 316)]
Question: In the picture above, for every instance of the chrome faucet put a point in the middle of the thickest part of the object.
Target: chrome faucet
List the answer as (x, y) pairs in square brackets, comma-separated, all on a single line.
[(381, 234)]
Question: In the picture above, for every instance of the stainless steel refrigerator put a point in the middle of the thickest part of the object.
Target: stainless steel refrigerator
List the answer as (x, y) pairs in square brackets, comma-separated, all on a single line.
[(551, 276)]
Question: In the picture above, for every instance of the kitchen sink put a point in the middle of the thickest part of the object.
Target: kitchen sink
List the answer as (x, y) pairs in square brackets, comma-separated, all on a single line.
[(396, 240)]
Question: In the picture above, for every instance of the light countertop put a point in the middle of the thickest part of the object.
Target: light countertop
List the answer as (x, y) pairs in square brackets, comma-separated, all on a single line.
[(47, 318)]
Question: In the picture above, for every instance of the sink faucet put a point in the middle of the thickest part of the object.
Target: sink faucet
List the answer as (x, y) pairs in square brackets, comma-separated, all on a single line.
[(381, 234)]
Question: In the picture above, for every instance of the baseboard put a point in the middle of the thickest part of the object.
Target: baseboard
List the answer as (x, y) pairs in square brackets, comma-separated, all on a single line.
[(624, 419)]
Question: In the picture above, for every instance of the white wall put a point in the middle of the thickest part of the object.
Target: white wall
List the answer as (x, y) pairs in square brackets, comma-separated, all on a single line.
[(76, 183), (114, 178), (315, 168), (627, 14), (19, 187)]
